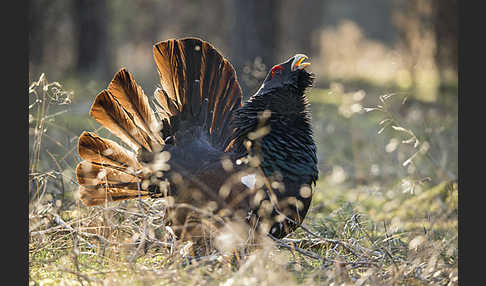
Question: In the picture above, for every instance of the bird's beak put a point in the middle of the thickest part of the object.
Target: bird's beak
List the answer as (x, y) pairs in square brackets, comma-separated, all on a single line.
[(298, 62)]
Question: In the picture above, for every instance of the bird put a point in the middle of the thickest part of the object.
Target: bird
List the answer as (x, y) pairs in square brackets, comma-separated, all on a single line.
[(208, 153)]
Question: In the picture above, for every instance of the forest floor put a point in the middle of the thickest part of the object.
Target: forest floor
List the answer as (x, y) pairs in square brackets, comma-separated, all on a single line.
[(384, 211)]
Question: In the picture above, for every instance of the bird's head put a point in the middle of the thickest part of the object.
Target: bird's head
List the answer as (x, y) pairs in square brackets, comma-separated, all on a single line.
[(290, 73)]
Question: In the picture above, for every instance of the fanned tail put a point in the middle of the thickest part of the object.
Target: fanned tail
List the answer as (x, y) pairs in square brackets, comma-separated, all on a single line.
[(198, 89), (124, 110), (199, 86), (108, 172)]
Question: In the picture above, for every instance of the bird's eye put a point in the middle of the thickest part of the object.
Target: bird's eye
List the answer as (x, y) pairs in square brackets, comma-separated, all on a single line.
[(276, 70)]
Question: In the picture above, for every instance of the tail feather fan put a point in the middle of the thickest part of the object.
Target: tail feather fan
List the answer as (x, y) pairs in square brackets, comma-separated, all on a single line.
[(198, 88)]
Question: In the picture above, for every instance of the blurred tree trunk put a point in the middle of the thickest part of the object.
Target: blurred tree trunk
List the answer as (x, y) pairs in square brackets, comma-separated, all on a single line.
[(50, 38), (445, 26), (91, 27), (254, 38), (300, 22), (414, 21), (36, 15)]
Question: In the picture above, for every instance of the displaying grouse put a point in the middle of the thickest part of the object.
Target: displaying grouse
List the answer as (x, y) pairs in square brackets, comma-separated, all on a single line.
[(210, 156)]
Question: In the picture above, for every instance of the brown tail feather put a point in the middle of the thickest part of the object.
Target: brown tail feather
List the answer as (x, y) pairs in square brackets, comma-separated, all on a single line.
[(94, 175), (93, 197), (100, 183), (99, 150), (131, 96), (108, 112), (112, 180), (198, 84), (167, 103), (108, 172)]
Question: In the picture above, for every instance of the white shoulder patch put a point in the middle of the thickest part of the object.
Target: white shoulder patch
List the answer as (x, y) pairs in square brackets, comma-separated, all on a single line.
[(249, 180)]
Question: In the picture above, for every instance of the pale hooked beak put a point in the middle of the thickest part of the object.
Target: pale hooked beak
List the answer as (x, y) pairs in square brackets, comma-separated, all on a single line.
[(298, 62)]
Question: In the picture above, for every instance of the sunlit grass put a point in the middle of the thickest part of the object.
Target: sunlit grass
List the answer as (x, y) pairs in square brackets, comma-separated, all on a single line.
[(366, 225), (392, 238)]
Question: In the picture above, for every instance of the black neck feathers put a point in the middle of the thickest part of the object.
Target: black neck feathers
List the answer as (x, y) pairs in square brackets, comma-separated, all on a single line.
[(285, 145)]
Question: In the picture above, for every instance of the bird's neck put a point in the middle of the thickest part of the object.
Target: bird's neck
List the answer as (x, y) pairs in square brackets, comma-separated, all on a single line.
[(277, 107), (278, 124)]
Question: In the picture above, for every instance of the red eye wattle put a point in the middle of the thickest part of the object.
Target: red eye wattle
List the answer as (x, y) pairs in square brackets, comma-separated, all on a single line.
[(276, 69)]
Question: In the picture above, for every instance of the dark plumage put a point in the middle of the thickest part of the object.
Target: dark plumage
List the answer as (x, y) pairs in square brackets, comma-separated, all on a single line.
[(203, 147), (288, 150)]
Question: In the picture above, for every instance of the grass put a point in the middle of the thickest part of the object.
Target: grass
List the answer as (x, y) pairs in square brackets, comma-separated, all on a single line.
[(374, 220)]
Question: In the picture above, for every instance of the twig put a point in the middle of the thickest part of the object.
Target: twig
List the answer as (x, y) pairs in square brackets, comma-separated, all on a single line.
[(79, 275), (321, 240), (298, 249), (60, 221)]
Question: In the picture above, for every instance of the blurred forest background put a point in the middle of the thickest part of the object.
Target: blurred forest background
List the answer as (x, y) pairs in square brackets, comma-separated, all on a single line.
[(384, 110), (359, 51)]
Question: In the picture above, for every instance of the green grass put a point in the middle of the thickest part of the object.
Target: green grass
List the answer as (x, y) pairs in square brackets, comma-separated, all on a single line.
[(366, 225), (392, 238)]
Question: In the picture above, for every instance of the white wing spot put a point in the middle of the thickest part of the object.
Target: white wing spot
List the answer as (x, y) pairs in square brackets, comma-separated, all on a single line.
[(249, 180)]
